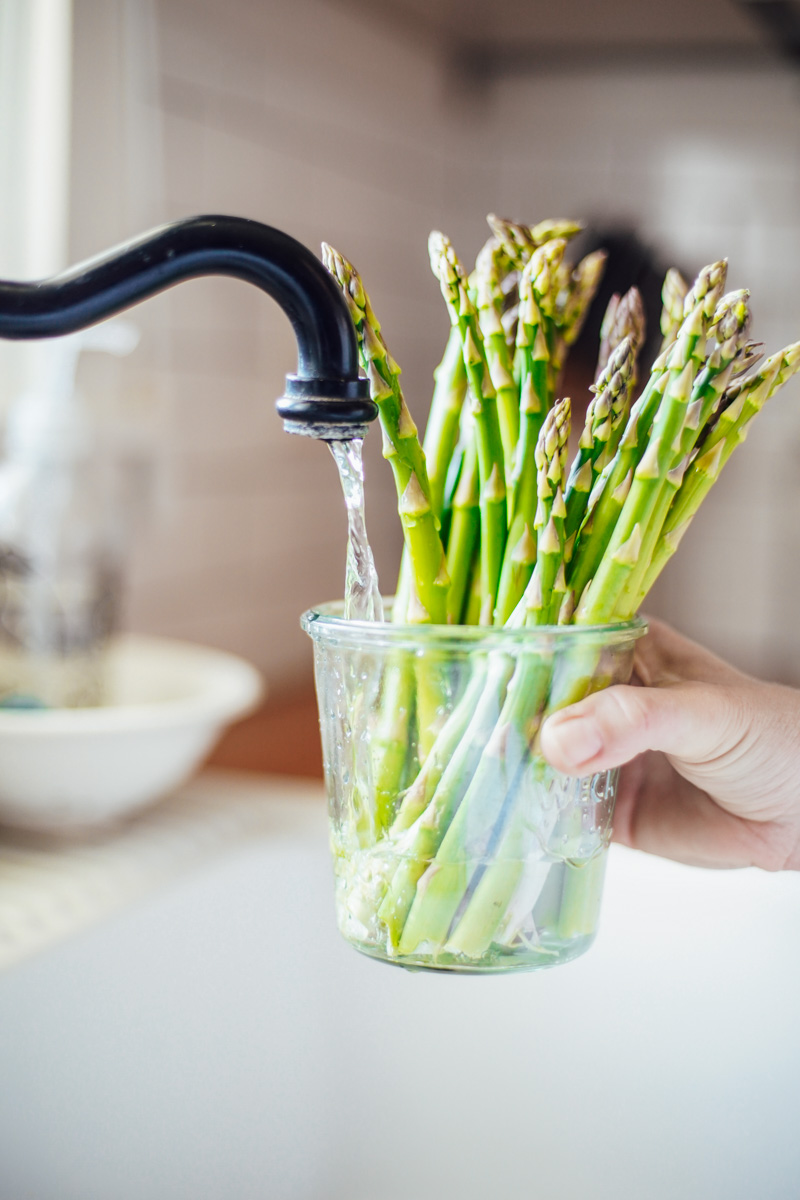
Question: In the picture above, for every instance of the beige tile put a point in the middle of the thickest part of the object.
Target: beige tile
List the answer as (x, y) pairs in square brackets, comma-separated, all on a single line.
[(184, 152)]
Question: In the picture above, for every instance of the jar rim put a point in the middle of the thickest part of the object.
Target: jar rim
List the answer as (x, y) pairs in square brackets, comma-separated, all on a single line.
[(326, 622)]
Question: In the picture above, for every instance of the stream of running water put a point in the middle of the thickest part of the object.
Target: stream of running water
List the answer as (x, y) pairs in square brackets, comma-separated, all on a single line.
[(362, 597)]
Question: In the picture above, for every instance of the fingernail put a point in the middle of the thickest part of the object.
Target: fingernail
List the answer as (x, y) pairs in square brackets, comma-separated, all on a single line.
[(578, 738)]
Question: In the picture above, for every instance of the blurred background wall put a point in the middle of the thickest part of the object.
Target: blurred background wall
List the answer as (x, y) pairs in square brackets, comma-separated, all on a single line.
[(318, 121), (367, 125)]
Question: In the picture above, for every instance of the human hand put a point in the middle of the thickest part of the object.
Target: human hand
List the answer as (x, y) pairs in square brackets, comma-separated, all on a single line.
[(713, 757)]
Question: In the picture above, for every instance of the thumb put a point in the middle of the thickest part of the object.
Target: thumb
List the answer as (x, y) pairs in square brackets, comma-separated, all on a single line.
[(693, 722)]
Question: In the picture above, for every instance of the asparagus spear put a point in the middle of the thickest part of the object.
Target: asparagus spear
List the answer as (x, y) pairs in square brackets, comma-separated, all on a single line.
[(474, 604), (573, 307), (426, 599), (540, 542), (752, 354), (624, 319), (441, 436), (605, 418), (730, 324), (600, 600), (611, 489), (464, 533), (545, 284), (614, 486), (491, 467), (490, 267), (389, 743), (472, 816), (454, 881), (419, 795), (720, 442), (419, 845), (545, 590), (451, 884), (443, 886), (401, 447), (441, 432), (509, 321), (533, 356), (673, 296), (520, 241)]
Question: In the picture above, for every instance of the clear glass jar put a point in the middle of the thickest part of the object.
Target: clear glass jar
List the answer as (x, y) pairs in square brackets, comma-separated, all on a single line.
[(456, 847)]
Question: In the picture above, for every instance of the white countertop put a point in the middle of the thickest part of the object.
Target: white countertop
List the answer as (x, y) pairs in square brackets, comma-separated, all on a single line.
[(52, 887), (204, 1034)]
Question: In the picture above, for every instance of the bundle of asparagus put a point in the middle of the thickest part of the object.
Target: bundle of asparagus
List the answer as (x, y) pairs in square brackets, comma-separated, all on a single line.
[(450, 844)]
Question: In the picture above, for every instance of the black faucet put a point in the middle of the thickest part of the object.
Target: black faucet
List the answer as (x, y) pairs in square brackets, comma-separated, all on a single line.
[(325, 399)]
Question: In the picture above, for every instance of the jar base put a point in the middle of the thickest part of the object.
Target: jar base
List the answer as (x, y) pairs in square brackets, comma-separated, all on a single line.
[(503, 962)]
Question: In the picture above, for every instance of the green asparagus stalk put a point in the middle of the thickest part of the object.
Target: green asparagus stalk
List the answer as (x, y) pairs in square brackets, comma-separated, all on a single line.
[(401, 447), (730, 324), (667, 393), (745, 399), (478, 826), (474, 605), (419, 795), (419, 847), (426, 594), (520, 241), (465, 525), (443, 886), (545, 590), (441, 436), (605, 332), (509, 321), (454, 882), (573, 308), (605, 420), (545, 284), (441, 432), (389, 744), (493, 892), (752, 354), (599, 602), (624, 321), (533, 356), (722, 439), (611, 489), (491, 466), (490, 267), (673, 296), (542, 547)]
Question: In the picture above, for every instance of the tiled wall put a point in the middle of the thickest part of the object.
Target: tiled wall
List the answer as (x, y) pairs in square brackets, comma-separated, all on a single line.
[(315, 119), (306, 117)]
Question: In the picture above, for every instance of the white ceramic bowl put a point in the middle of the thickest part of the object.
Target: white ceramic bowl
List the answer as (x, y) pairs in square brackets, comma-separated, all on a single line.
[(72, 768)]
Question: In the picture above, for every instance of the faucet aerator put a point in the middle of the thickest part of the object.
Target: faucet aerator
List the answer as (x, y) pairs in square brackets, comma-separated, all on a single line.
[(333, 410)]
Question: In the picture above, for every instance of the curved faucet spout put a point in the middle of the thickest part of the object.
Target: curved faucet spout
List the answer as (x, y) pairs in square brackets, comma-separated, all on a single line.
[(326, 398)]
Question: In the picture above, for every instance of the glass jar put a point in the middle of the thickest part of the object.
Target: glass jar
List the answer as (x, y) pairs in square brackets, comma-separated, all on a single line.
[(456, 847)]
